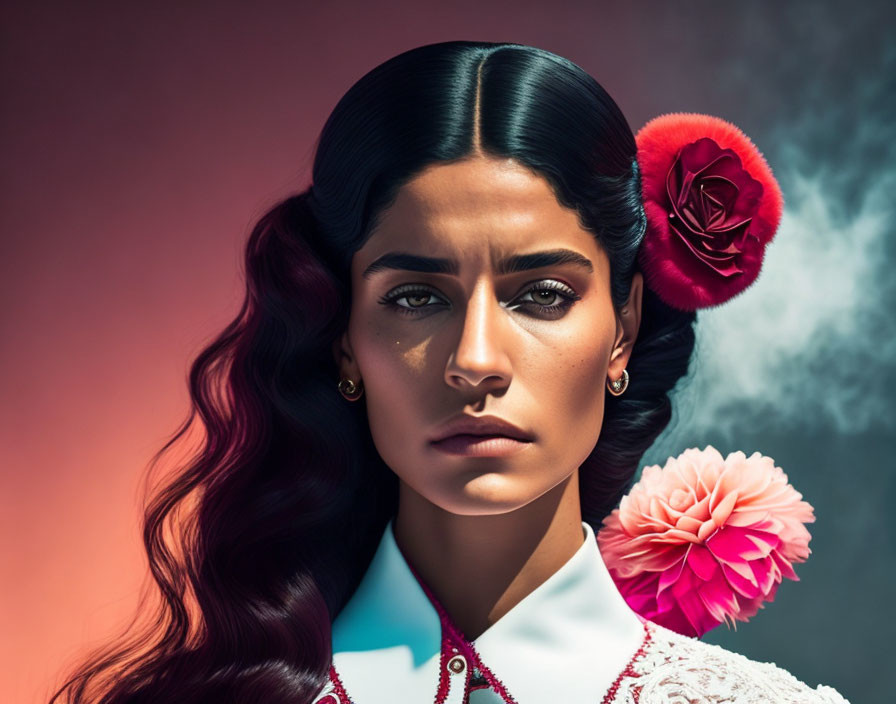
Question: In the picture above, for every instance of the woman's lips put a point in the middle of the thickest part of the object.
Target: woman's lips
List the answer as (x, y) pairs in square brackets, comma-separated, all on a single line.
[(465, 424), (480, 445)]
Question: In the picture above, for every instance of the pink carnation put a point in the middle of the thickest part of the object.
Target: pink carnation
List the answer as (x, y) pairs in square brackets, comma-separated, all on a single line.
[(705, 539)]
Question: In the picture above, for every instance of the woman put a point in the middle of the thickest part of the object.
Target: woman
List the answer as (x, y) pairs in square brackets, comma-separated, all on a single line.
[(446, 370)]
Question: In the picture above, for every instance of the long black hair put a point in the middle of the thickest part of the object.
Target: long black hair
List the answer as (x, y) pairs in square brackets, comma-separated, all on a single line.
[(263, 535)]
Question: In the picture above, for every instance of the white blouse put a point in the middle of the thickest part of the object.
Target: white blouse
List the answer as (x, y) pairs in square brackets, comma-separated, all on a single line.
[(572, 639)]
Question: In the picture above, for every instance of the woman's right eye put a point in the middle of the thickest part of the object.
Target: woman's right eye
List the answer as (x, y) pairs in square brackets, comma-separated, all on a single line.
[(415, 296)]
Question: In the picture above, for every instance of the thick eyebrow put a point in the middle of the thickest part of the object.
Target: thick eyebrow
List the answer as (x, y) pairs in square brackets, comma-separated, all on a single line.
[(404, 261)]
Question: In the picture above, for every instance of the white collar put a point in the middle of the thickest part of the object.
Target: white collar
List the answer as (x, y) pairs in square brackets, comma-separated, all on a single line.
[(567, 640)]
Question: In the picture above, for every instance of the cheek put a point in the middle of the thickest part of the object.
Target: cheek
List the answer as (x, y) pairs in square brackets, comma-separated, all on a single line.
[(577, 365), (570, 389), (395, 380)]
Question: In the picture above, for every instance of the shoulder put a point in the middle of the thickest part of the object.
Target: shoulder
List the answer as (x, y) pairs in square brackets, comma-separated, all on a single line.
[(673, 667)]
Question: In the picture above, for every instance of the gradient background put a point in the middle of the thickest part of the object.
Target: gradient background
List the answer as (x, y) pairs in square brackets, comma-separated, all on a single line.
[(140, 143)]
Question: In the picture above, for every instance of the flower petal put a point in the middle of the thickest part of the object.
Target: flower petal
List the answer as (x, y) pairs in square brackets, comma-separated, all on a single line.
[(702, 562), (731, 541), (745, 586)]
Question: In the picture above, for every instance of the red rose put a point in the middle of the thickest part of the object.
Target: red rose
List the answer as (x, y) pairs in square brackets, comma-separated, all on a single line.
[(712, 201), (712, 206)]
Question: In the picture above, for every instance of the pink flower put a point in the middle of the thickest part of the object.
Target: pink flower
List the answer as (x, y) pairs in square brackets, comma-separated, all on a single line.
[(705, 539)]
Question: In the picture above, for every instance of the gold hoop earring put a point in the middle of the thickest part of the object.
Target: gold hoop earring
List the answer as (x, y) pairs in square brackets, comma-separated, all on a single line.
[(350, 390), (618, 387)]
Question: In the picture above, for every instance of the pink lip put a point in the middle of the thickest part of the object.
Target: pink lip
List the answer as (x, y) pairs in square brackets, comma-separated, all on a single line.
[(480, 445), (465, 424)]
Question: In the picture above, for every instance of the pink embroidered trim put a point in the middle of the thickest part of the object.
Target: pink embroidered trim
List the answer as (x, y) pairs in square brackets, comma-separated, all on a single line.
[(630, 670), (442, 691), (338, 686), (453, 638)]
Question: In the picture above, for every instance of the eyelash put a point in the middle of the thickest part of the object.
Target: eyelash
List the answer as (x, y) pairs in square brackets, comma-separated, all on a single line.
[(568, 295)]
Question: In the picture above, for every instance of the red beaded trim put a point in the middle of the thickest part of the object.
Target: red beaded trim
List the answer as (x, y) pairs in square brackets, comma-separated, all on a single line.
[(630, 671), (493, 681), (338, 686), (442, 691), (453, 637)]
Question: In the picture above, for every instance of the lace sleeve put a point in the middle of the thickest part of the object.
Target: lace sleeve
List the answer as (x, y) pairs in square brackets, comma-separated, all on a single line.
[(675, 669)]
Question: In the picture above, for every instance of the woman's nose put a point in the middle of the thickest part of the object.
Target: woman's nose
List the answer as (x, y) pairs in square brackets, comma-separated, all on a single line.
[(480, 353)]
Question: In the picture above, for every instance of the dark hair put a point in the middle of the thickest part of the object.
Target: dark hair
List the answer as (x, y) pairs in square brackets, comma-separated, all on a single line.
[(276, 517)]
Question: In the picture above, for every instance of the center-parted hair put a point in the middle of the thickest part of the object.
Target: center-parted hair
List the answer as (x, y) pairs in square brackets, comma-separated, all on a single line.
[(263, 535)]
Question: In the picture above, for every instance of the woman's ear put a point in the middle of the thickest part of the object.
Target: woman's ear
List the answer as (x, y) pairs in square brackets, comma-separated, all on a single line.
[(345, 358), (628, 321)]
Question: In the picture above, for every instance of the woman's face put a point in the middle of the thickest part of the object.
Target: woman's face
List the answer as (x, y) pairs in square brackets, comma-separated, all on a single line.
[(452, 327)]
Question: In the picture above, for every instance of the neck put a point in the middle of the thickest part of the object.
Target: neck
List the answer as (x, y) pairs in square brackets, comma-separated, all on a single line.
[(480, 566)]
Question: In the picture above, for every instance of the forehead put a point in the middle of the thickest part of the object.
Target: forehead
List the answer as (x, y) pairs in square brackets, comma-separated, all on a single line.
[(478, 205)]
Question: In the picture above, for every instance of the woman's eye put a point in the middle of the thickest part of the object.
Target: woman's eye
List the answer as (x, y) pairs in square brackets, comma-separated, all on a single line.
[(415, 299), (546, 298)]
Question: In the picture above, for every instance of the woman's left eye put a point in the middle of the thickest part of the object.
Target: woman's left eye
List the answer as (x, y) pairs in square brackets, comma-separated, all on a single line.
[(539, 295)]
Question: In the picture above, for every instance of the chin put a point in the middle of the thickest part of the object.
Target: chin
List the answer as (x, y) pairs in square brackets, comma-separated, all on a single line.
[(486, 494)]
